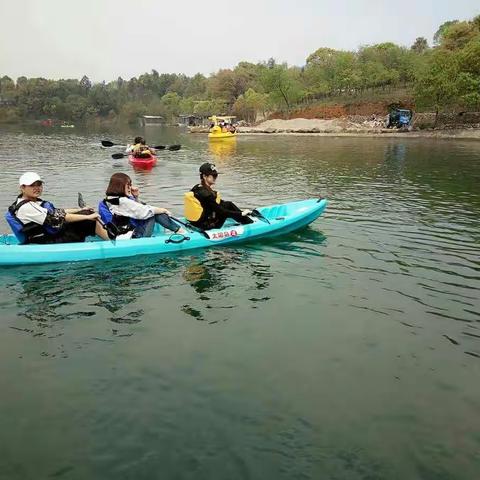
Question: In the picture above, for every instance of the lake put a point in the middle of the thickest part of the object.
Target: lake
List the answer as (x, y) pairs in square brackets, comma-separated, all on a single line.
[(347, 350)]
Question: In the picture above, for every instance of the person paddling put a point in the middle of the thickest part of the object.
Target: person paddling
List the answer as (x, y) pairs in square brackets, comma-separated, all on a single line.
[(140, 149), (203, 206), (122, 207), (34, 220)]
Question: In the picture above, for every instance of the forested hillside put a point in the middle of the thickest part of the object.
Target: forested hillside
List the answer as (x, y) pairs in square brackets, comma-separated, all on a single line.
[(439, 77)]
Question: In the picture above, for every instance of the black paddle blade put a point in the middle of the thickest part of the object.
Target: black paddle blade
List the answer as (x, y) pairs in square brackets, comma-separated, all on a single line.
[(81, 201), (256, 213), (112, 230), (174, 147), (160, 147), (116, 156), (107, 143)]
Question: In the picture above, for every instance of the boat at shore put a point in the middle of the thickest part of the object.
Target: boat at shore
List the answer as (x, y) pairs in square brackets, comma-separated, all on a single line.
[(271, 221), (221, 128)]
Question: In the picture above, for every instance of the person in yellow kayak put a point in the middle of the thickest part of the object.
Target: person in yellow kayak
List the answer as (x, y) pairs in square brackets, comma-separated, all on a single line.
[(140, 149), (203, 206), (34, 220)]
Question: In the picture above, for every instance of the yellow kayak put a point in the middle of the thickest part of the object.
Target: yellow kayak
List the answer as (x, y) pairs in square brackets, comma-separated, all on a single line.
[(221, 135), (222, 128)]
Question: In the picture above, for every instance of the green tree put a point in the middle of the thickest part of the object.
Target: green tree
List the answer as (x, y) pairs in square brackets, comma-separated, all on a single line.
[(436, 84), (249, 104), (7, 86), (437, 38), (282, 84), (85, 84), (171, 102), (458, 35), (420, 45)]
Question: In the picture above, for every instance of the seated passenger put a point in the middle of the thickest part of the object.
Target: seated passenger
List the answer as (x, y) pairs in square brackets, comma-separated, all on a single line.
[(140, 149), (34, 220), (203, 206), (122, 207)]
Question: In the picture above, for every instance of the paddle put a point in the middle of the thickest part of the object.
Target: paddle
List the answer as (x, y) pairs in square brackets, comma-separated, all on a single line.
[(172, 148), (112, 230), (256, 213), (191, 227), (108, 143)]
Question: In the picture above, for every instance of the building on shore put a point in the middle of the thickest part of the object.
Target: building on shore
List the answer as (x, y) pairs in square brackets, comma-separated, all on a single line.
[(192, 120), (6, 102), (146, 120)]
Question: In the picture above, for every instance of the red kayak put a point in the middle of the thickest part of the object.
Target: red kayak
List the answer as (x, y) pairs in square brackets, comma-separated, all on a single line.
[(147, 162)]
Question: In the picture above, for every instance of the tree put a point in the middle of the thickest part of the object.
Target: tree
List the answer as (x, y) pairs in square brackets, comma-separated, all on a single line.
[(249, 104), (420, 45), (436, 84), (458, 35), (282, 84), (226, 84), (437, 38), (85, 84), (469, 77), (196, 86), (7, 86), (171, 103)]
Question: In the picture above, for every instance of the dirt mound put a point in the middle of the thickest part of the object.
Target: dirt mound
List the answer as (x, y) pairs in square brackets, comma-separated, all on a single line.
[(326, 111)]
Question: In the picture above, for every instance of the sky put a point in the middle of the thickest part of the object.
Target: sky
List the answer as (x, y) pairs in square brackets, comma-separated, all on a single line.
[(105, 39)]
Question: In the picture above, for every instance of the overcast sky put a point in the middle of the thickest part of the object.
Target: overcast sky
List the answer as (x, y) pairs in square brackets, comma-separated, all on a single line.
[(105, 39)]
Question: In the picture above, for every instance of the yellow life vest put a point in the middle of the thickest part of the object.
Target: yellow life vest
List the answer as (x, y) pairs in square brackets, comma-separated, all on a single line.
[(140, 148), (193, 208)]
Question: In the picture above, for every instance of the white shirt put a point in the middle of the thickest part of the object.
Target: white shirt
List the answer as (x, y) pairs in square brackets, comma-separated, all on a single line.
[(131, 208), (31, 212)]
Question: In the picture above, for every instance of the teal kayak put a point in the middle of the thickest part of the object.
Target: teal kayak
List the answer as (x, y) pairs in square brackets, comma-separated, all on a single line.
[(274, 220)]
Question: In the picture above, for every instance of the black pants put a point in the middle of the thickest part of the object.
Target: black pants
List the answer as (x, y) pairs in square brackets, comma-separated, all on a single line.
[(217, 219), (74, 232)]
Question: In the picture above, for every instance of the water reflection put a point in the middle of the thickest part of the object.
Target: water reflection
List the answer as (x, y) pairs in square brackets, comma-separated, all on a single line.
[(103, 291), (221, 278), (48, 299), (384, 287), (222, 150)]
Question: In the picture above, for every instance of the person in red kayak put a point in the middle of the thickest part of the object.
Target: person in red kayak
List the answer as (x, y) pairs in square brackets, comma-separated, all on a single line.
[(34, 220), (140, 149), (203, 206)]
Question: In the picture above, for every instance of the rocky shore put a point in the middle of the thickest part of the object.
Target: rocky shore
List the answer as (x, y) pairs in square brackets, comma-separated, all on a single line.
[(371, 127)]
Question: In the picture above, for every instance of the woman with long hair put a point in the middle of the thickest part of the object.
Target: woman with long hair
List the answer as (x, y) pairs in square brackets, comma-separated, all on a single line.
[(122, 207)]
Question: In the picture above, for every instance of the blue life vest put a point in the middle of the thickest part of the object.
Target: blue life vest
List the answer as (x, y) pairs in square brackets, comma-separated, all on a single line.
[(120, 221), (27, 231)]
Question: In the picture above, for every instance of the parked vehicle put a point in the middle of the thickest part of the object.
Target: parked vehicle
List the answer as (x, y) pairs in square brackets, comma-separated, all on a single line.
[(399, 117)]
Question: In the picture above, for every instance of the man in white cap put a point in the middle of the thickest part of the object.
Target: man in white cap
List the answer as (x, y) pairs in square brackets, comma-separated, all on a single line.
[(34, 220)]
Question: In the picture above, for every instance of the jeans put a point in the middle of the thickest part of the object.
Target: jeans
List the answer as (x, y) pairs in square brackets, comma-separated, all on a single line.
[(145, 229)]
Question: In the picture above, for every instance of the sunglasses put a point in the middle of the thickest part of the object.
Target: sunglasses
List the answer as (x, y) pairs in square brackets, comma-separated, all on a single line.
[(38, 183)]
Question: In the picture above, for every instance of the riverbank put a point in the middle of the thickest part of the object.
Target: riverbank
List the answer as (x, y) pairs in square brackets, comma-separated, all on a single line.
[(349, 127)]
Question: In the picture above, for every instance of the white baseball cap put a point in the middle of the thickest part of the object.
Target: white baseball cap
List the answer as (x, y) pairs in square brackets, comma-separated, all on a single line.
[(28, 178)]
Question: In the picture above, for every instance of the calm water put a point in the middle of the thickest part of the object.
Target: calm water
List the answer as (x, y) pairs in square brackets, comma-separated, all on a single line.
[(349, 350)]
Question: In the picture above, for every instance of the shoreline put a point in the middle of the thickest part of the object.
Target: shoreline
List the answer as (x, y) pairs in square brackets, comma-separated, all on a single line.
[(462, 134), (349, 127)]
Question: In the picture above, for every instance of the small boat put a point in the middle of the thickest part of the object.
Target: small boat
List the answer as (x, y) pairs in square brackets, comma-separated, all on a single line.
[(67, 126), (222, 128), (273, 220), (145, 163)]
